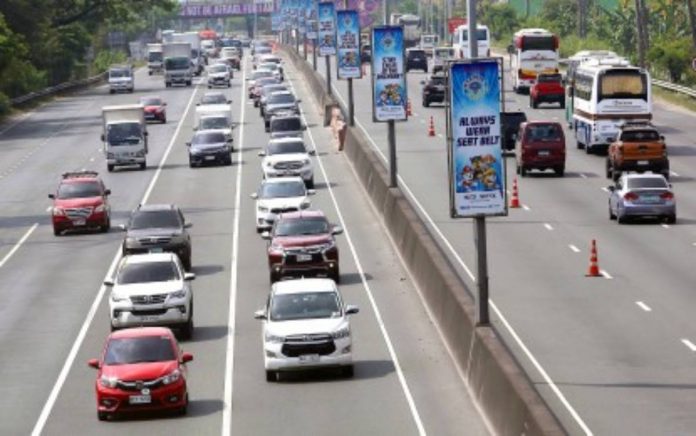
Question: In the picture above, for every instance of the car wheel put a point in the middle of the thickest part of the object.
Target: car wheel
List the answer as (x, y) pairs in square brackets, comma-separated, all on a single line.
[(143, 166), (256, 103), (562, 104), (615, 174), (164, 120), (57, 232), (102, 416), (579, 144), (560, 170), (271, 376), (228, 161), (426, 103), (588, 149), (111, 91), (210, 87), (186, 261), (671, 219), (336, 276), (109, 168), (187, 329), (607, 169), (518, 169), (612, 216), (347, 371), (621, 219), (532, 103), (183, 410), (310, 183), (523, 171), (105, 228), (274, 277)]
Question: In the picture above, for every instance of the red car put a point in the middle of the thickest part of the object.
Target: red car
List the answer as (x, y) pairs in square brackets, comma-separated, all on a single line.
[(547, 89), (540, 145), (302, 243), (81, 202), (155, 109), (141, 369)]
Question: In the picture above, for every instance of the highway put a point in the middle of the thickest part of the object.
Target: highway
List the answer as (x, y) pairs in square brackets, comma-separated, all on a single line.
[(54, 314), (610, 355)]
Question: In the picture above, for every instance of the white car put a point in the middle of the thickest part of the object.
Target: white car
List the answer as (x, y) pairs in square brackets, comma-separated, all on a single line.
[(288, 157), (216, 122), (276, 68), (219, 75), (305, 326), (151, 290), (279, 195)]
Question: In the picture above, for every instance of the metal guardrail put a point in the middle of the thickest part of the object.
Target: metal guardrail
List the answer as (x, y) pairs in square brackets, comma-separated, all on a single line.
[(675, 88), (56, 89)]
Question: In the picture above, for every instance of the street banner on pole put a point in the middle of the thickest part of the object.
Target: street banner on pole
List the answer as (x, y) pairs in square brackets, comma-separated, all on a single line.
[(476, 163), (311, 19), (347, 39), (327, 28), (389, 95)]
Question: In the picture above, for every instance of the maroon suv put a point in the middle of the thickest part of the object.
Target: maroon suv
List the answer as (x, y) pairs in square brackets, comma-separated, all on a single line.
[(302, 243)]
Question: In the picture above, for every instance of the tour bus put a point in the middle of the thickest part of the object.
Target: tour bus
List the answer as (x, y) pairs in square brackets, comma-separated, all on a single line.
[(608, 92), (532, 52), (572, 64), (460, 41)]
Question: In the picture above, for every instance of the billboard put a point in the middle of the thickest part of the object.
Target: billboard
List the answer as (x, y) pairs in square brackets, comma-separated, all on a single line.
[(192, 10), (327, 28), (476, 163), (348, 42), (389, 95)]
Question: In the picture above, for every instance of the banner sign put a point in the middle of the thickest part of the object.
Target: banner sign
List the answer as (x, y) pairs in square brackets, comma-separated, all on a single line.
[(189, 10), (453, 23), (388, 79), (476, 163), (348, 40), (327, 28), (311, 19)]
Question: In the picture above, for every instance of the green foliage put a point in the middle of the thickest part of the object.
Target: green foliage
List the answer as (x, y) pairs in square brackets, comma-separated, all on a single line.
[(105, 58), (572, 44), (560, 16), (500, 18), (672, 57)]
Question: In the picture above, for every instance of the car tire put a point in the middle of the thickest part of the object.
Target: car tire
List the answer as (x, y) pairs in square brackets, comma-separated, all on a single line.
[(143, 166), (228, 161), (210, 87), (57, 232), (106, 227), (102, 416), (149, 73), (560, 170), (109, 168), (615, 174), (671, 219), (273, 277), (347, 371), (187, 329), (336, 276), (523, 171), (256, 103), (183, 410), (612, 216), (164, 120), (310, 183), (186, 261), (588, 149), (111, 91), (608, 169), (621, 219), (562, 104), (271, 376), (426, 103), (579, 144), (532, 103), (518, 169), (189, 82)]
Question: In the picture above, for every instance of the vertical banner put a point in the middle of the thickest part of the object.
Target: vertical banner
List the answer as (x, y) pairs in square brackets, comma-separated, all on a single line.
[(301, 16), (311, 19), (388, 79), (476, 164), (327, 28), (347, 40)]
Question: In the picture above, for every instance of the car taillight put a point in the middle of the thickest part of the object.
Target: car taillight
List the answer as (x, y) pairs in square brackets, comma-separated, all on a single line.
[(631, 196), (667, 196)]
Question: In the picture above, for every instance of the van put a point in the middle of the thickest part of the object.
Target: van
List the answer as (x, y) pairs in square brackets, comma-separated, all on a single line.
[(540, 145), (286, 125)]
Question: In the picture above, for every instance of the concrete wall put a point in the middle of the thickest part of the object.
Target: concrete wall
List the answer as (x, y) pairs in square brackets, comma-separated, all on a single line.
[(499, 384)]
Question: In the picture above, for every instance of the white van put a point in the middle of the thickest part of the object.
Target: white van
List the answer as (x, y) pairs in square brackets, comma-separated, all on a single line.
[(461, 41)]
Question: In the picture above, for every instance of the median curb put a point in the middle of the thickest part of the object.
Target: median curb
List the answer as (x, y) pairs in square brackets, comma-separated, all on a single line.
[(500, 386)]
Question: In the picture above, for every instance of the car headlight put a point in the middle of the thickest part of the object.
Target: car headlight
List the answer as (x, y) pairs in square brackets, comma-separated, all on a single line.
[(276, 249), (109, 155), (108, 382), (328, 246), (263, 209), (58, 211), (100, 208), (171, 377), (274, 339), (306, 162), (178, 294), (305, 205), (140, 153), (115, 297), (269, 164), (341, 333)]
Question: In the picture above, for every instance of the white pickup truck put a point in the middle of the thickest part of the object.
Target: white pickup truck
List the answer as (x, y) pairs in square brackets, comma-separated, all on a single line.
[(124, 136)]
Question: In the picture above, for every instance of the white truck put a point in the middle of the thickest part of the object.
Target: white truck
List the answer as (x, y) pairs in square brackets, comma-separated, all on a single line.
[(214, 117), (197, 57), (428, 43), (154, 58), (177, 63), (121, 78), (124, 136)]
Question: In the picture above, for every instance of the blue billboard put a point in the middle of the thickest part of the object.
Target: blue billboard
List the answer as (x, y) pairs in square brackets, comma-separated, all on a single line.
[(477, 166), (348, 41), (327, 28), (389, 94)]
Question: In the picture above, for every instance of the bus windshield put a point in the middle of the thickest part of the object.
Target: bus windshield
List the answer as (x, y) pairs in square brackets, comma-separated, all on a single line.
[(538, 43), (481, 35), (623, 84)]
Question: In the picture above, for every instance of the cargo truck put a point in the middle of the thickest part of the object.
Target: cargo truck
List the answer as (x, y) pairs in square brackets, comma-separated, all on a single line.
[(177, 63), (121, 78), (124, 136), (154, 58), (197, 58)]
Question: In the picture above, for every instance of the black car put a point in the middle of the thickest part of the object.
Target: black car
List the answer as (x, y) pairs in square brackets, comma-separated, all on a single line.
[(281, 101), (154, 228), (366, 54), (510, 125), (416, 59), (209, 146), (434, 89)]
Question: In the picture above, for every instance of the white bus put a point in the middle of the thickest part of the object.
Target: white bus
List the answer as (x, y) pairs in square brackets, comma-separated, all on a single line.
[(412, 27), (460, 41), (606, 93), (532, 52)]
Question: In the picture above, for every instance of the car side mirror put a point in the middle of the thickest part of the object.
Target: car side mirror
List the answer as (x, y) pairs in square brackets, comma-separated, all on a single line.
[(311, 192), (189, 276), (188, 144), (266, 235), (229, 101), (422, 82), (93, 363), (186, 357), (611, 188), (107, 192), (164, 104), (337, 230), (304, 127), (188, 225), (262, 153), (299, 100), (662, 138), (52, 196), (260, 314), (352, 310), (254, 195), (108, 282), (312, 152)]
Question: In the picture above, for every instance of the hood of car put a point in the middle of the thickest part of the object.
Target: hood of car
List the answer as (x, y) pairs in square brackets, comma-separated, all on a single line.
[(150, 288), (120, 79), (302, 240), (221, 74), (143, 233), (212, 146), (221, 108), (78, 202), (153, 108), (305, 326), (288, 157), (270, 107), (140, 371), (281, 203)]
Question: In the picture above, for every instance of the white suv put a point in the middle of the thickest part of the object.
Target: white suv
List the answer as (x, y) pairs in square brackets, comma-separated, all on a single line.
[(306, 325), (153, 290), (279, 195), (288, 157)]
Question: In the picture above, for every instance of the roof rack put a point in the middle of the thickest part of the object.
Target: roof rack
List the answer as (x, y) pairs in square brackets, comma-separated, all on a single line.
[(78, 174), (640, 123)]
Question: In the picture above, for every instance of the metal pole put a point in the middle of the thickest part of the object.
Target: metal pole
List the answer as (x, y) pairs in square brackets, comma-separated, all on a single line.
[(471, 25), (482, 271), (384, 12), (328, 75), (351, 104), (314, 54), (391, 139), (305, 47)]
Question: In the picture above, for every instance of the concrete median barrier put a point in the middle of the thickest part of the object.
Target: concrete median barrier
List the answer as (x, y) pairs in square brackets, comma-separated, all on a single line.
[(496, 380)]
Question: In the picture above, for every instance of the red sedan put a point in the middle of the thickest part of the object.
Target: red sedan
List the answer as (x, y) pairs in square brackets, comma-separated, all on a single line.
[(141, 369), (155, 109)]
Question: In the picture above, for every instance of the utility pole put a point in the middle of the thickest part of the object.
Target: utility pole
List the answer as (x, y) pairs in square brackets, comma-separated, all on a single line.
[(692, 21), (642, 37)]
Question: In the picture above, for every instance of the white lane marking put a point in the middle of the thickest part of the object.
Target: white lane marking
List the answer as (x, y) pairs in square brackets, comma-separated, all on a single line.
[(49, 209), (689, 344), (19, 243), (63, 375), (231, 315), (548, 226), (574, 248), (666, 226), (422, 121), (439, 135), (368, 291), (525, 207), (674, 173), (605, 189), (643, 306), (402, 184), (583, 175), (605, 274), (91, 159)]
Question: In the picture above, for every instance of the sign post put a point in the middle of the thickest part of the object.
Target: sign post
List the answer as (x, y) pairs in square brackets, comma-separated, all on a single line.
[(327, 36), (347, 53)]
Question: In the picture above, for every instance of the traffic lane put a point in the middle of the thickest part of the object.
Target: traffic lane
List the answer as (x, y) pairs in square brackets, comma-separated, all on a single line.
[(205, 196), (54, 292)]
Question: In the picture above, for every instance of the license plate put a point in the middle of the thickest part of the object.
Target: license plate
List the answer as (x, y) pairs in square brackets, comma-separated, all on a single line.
[(543, 153), (643, 162), (79, 222), (156, 250), (650, 198), (209, 158), (139, 399), (309, 358), (149, 318), (304, 257)]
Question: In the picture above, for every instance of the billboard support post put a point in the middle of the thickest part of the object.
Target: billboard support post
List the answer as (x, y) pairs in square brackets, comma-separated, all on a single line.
[(482, 316), (391, 137), (314, 54), (328, 75), (351, 104)]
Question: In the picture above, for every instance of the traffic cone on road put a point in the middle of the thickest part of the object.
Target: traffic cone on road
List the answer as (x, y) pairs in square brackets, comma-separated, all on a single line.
[(431, 127), (593, 270), (515, 200), (409, 111)]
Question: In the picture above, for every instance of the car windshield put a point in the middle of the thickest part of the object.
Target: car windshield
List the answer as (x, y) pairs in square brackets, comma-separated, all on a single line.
[(640, 135), (79, 190), (155, 219), (266, 81), (416, 54), (269, 66), (261, 73), (285, 147), (306, 305), (282, 190), (435, 81), (124, 351), (178, 63), (147, 272), (543, 132), (124, 134), (119, 73), (281, 98), (218, 69), (268, 89), (549, 78), (303, 226), (214, 99), (647, 182), (211, 123), (287, 125), (208, 138), (154, 56), (147, 101)]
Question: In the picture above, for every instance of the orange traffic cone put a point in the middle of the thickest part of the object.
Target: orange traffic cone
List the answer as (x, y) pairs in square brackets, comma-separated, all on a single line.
[(593, 270), (515, 200), (409, 111), (431, 127)]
